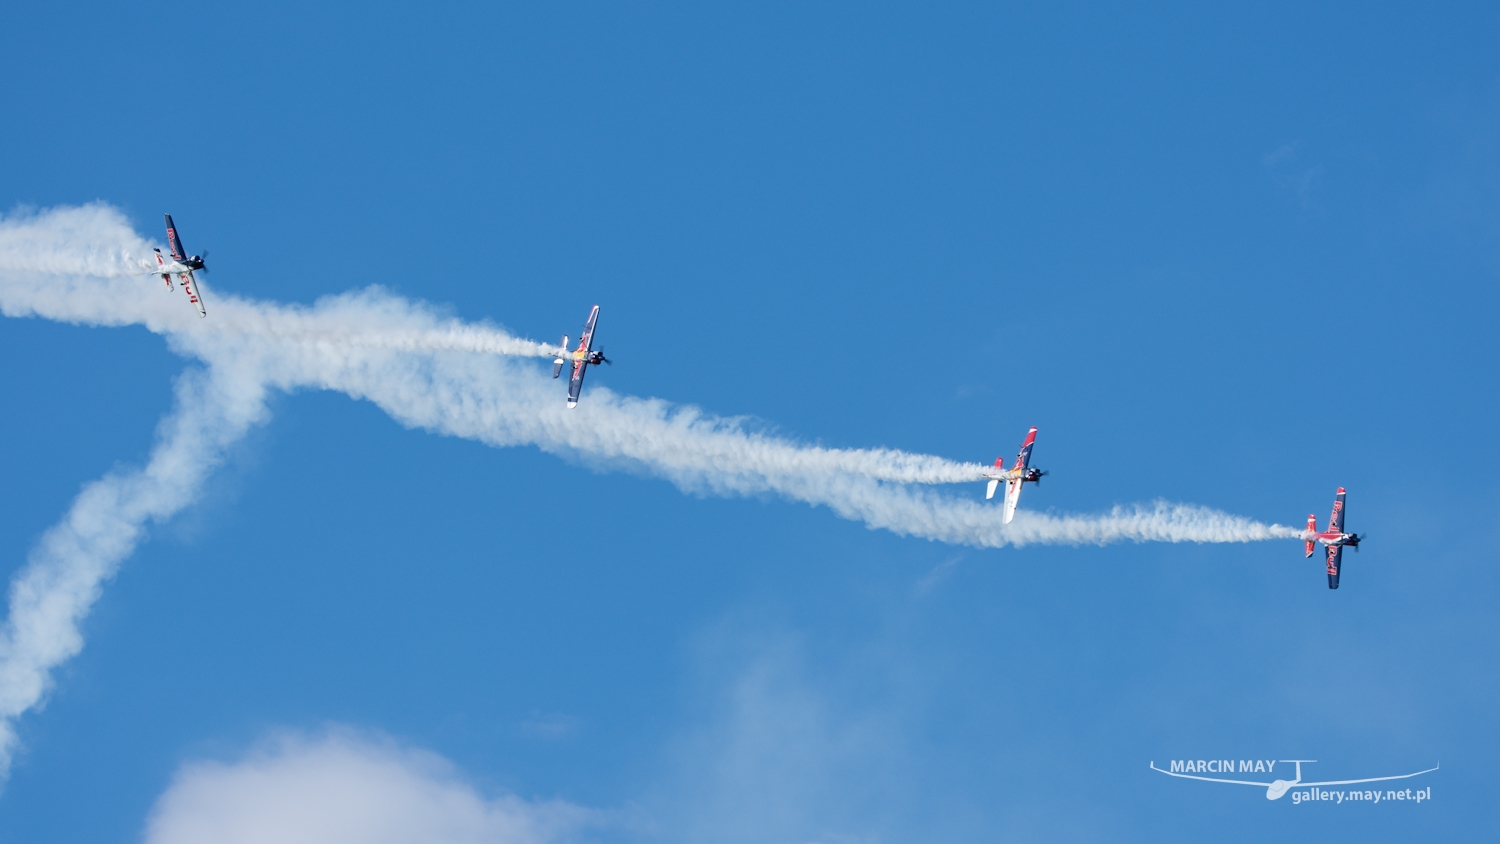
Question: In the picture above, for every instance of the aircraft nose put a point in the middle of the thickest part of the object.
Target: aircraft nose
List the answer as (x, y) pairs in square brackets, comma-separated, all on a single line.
[(1277, 789)]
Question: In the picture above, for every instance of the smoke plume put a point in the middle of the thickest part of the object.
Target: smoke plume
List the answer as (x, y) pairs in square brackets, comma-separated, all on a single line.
[(86, 266)]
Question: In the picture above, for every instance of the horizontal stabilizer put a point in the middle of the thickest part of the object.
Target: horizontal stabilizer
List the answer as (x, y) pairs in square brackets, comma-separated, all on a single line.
[(162, 265), (989, 491)]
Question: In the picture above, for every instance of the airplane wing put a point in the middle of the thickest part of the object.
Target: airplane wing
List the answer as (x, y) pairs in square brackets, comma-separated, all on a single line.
[(1369, 779), (586, 342), (1336, 521), (174, 241), (1023, 460), (575, 383), (1335, 562), (1012, 497), (190, 287)]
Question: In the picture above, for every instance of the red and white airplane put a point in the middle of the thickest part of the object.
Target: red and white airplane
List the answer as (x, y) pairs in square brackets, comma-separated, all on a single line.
[(182, 266), (1334, 538), (582, 358), (1014, 477)]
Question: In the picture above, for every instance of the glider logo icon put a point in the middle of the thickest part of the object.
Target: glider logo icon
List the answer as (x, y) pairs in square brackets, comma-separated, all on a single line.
[(1277, 788)]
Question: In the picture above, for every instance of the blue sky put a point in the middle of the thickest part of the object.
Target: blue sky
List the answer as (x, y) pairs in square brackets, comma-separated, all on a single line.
[(1228, 258)]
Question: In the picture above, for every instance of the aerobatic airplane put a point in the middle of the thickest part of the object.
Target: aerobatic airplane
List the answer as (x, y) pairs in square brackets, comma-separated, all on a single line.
[(582, 358), (182, 266), (1014, 477), (1334, 538)]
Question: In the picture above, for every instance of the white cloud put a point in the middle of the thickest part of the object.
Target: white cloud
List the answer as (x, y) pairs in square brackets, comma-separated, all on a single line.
[(348, 788)]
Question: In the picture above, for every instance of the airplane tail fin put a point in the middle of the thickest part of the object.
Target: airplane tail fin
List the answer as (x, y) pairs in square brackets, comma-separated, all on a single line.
[(1312, 527), (160, 264)]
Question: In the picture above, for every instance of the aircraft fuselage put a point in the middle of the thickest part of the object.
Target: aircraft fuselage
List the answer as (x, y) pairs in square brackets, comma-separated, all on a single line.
[(1334, 539)]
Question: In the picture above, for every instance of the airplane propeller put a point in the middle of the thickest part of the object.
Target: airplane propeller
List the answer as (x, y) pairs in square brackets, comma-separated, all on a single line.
[(1039, 475), (204, 259)]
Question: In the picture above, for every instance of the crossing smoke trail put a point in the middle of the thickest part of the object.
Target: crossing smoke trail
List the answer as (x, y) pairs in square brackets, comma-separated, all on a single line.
[(77, 265), (94, 243), (66, 571), (80, 265)]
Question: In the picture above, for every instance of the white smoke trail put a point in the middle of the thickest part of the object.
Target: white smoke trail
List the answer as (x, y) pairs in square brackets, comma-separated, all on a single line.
[(79, 265), (385, 322), (50, 596), (84, 265)]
